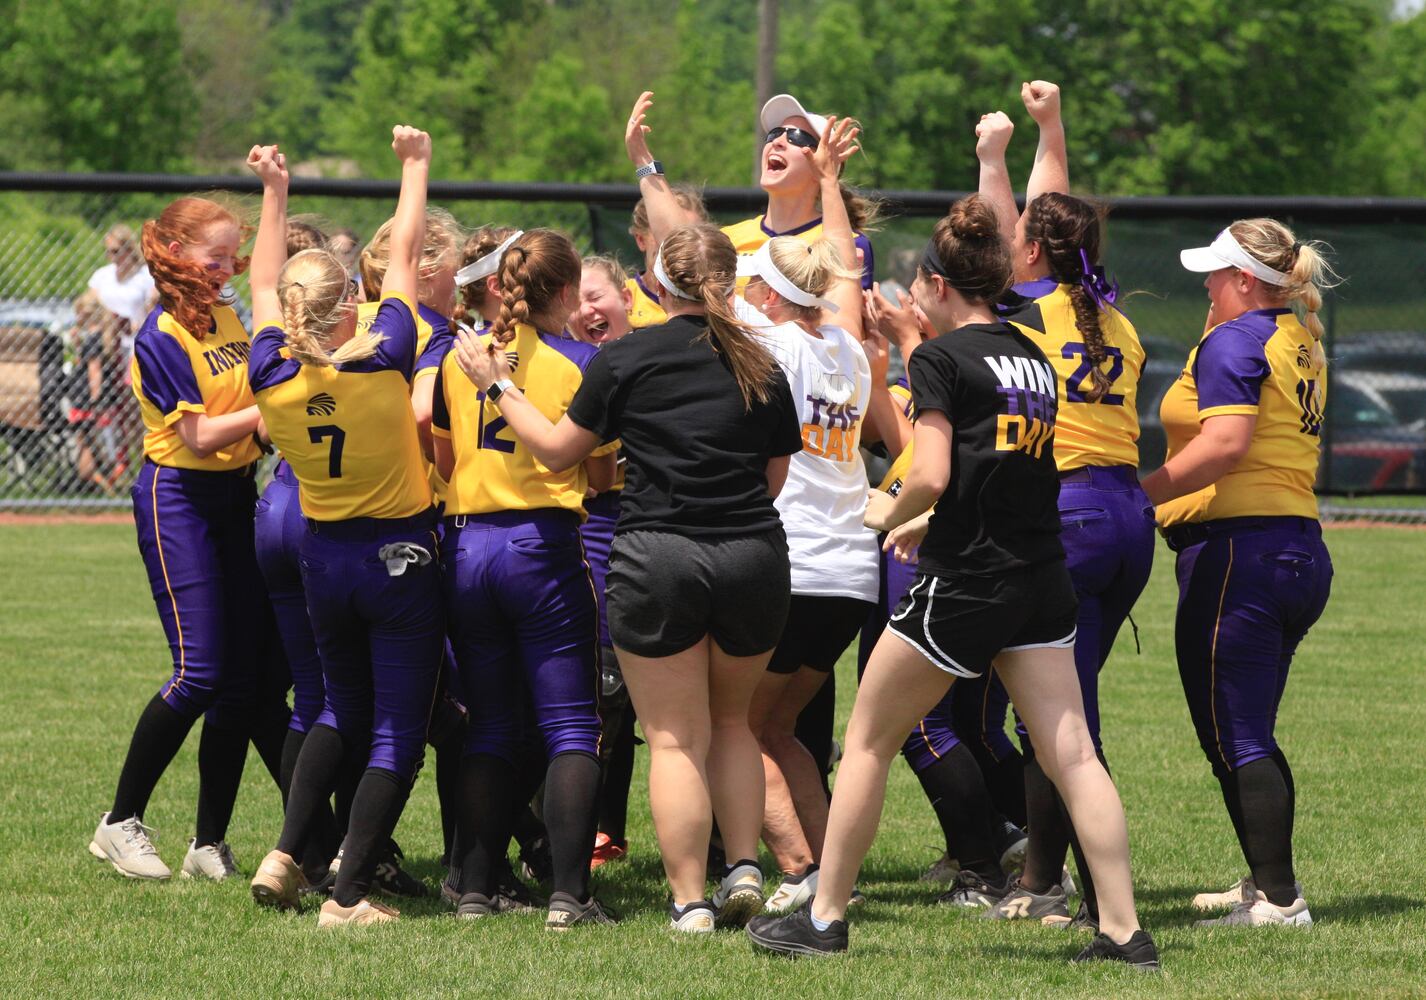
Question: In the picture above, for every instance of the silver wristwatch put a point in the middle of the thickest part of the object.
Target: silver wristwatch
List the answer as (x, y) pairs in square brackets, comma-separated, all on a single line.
[(498, 389), (647, 169)]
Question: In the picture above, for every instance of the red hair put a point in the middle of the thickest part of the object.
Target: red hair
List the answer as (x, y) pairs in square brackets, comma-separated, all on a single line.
[(183, 286)]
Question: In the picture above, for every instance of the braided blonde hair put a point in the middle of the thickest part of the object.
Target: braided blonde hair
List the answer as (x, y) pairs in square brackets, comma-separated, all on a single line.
[(313, 290)]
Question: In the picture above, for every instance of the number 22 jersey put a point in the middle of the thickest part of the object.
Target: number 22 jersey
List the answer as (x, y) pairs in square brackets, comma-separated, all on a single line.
[(347, 430)]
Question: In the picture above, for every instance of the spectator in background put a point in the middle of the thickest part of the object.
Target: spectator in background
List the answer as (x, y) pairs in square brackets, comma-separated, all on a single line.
[(96, 393), (123, 285)]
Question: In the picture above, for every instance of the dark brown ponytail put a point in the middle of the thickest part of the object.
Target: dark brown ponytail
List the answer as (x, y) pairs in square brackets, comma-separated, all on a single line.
[(533, 272), (1063, 226)]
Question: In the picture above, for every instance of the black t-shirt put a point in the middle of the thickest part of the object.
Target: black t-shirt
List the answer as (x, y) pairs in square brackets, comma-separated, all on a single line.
[(1000, 509), (697, 457)]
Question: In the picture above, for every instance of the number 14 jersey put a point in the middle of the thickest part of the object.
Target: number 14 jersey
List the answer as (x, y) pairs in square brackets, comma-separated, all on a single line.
[(347, 430)]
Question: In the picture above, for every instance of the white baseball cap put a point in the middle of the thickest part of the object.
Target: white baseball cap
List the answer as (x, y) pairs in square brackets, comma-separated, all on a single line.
[(1225, 251), (784, 106)]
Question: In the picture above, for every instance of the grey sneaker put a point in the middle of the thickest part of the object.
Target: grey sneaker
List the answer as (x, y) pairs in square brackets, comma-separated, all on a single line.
[(215, 861), (943, 870), (697, 918), (794, 892), (972, 892), (1020, 903), (566, 912), (740, 894), (1263, 913), (127, 846)]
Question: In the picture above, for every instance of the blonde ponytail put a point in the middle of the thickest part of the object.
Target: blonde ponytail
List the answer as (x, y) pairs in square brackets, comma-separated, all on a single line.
[(313, 291), (812, 267), (1305, 264)]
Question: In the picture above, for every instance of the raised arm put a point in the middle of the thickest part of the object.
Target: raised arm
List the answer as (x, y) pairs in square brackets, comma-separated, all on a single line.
[(408, 227), (1051, 170), (838, 144), (664, 214), (270, 247), (992, 136)]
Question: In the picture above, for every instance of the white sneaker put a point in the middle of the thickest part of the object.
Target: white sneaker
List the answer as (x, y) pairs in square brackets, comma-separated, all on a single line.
[(795, 891), (740, 895), (944, 870), (1260, 912), (126, 846), (214, 861), (696, 918), (1242, 891)]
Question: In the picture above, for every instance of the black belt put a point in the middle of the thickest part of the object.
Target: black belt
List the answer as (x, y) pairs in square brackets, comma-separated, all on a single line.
[(1181, 536)]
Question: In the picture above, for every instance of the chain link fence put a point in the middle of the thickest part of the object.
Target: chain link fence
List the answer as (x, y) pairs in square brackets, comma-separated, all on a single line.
[(70, 437)]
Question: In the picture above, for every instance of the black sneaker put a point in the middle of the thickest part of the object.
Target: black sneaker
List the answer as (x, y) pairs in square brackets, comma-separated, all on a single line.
[(474, 905), (390, 879), (566, 911), (1083, 921), (322, 887), (514, 896), (1011, 842), (794, 935), (973, 892), (1138, 952)]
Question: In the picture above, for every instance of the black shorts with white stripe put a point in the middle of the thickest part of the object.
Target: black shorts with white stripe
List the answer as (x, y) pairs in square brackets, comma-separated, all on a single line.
[(961, 623)]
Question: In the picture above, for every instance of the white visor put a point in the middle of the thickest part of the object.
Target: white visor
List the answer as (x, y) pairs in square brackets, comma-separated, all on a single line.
[(1225, 251), (760, 265), (484, 267), (784, 106), (666, 282)]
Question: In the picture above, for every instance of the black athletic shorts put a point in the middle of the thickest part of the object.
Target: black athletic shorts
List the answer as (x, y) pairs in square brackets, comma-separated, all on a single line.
[(665, 592), (960, 623), (818, 630)]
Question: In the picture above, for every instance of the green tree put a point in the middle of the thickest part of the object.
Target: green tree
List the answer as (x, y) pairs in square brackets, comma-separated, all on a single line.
[(1391, 145), (95, 85), (313, 52)]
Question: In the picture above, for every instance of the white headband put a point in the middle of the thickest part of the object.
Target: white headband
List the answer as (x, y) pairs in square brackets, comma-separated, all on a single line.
[(665, 281), (484, 267), (760, 265), (1225, 251)]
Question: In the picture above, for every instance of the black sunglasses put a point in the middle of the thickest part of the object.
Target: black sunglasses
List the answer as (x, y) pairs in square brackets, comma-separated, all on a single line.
[(795, 136)]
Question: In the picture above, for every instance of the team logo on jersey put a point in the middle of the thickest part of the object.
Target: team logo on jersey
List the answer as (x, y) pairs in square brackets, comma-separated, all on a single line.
[(513, 357), (321, 405), (1304, 356)]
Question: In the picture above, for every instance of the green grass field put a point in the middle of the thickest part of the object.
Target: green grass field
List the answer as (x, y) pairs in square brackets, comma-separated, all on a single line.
[(83, 651)]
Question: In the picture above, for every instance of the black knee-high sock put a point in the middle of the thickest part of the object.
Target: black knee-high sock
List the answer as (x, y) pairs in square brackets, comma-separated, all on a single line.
[(322, 845), (269, 738), (486, 817), (1048, 827), (571, 814), (815, 725), (222, 752), (618, 776), (447, 734), (957, 792), (323, 758), (1282, 766), (529, 828), (159, 734), (380, 797), (1005, 780), (1262, 794)]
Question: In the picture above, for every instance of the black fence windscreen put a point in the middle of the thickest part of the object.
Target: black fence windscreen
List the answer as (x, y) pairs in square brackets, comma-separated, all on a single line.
[(69, 434)]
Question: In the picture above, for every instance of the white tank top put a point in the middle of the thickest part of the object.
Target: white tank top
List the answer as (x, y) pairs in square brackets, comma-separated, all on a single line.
[(824, 499)]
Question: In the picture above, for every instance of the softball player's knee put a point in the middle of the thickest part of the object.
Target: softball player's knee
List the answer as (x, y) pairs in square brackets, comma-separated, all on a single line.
[(571, 736)]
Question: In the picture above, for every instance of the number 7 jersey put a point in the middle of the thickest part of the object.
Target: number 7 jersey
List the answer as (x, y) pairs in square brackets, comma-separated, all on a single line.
[(1105, 432), (347, 431)]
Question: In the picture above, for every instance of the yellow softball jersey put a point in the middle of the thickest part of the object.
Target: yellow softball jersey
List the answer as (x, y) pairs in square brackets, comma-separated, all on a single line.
[(493, 470), (749, 235), (896, 475), (348, 431), (646, 310), (173, 373), (1104, 432), (1263, 363)]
